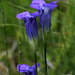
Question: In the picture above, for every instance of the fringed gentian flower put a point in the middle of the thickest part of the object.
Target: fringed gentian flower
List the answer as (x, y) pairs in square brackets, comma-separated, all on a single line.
[(30, 23), (27, 70), (44, 10)]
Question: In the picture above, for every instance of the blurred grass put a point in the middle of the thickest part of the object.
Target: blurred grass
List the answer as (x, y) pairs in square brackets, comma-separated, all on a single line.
[(61, 55)]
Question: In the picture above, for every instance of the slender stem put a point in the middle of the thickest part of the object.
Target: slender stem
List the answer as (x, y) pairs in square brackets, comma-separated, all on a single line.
[(36, 59), (19, 53), (19, 61), (5, 41), (45, 58)]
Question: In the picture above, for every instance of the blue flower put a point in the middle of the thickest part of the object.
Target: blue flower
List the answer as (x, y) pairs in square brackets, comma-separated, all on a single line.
[(44, 10), (30, 23), (27, 70)]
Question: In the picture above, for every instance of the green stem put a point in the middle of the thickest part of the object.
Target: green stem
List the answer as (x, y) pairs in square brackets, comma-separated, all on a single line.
[(36, 58), (45, 59), (45, 54), (19, 53)]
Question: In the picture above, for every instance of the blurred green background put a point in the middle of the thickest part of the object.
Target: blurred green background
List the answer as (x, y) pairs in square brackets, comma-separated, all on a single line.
[(60, 40)]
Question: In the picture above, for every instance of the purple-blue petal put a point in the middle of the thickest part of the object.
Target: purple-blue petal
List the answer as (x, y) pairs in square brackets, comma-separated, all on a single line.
[(23, 68), (30, 23), (44, 10), (34, 66), (34, 72), (51, 6), (35, 14), (27, 73), (47, 21), (23, 14), (37, 4), (31, 28), (54, 2), (34, 28), (27, 70), (38, 1), (41, 22), (28, 29)]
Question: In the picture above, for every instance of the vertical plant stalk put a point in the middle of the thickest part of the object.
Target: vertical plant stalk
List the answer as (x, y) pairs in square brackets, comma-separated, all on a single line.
[(45, 53), (35, 57), (5, 41), (19, 53), (45, 58)]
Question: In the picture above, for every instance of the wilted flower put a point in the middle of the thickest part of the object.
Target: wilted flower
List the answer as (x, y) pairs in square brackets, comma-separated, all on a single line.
[(27, 70), (44, 10), (30, 23)]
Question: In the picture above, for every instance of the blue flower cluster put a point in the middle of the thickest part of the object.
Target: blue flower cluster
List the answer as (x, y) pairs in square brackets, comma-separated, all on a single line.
[(27, 70), (44, 13)]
